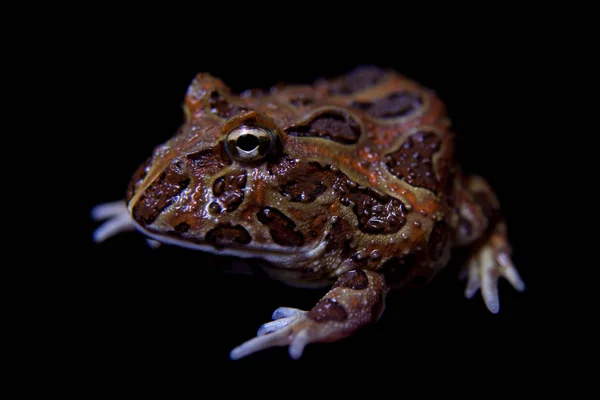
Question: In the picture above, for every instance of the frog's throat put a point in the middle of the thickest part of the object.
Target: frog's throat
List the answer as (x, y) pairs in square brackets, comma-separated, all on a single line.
[(286, 258)]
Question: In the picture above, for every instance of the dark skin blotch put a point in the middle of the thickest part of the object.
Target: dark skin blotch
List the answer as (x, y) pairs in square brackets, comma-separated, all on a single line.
[(281, 228), (305, 182), (413, 161), (393, 106), (331, 125), (229, 190), (340, 237), (377, 213), (375, 216), (159, 196), (227, 235), (328, 310), (182, 227)]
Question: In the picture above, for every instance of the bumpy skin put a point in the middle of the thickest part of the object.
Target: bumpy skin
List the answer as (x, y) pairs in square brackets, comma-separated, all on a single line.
[(358, 185), (360, 180)]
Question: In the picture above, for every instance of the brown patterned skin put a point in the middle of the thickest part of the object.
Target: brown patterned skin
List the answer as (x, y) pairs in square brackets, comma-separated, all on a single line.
[(332, 180), (369, 159)]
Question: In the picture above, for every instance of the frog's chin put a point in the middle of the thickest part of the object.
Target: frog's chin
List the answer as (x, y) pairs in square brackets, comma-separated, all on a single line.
[(289, 258)]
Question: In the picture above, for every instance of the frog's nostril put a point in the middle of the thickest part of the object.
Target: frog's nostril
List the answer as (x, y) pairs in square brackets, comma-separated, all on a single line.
[(179, 166)]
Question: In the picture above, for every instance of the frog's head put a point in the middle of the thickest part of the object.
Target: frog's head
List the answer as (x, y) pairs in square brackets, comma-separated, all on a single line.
[(233, 181)]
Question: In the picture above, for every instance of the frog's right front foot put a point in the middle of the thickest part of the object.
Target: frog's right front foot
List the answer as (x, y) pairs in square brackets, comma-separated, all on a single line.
[(282, 317), (290, 326), (356, 300)]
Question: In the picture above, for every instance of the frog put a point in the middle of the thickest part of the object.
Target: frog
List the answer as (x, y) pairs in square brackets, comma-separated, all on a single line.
[(348, 183)]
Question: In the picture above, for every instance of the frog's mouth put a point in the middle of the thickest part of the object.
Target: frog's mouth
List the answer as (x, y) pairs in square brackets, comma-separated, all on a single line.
[(289, 258)]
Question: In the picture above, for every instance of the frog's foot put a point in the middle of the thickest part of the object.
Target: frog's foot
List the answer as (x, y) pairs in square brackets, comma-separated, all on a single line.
[(490, 262), (356, 300), (117, 220), (278, 333)]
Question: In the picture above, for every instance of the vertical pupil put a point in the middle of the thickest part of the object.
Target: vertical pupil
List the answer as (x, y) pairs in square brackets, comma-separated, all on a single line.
[(247, 142)]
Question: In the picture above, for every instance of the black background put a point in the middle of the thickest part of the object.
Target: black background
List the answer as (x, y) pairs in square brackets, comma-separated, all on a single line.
[(140, 313)]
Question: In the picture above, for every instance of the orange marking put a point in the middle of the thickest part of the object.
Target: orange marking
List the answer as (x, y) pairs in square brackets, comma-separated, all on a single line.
[(296, 213), (354, 301), (334, 208), (248, 213), (259, 188), (318, 223)]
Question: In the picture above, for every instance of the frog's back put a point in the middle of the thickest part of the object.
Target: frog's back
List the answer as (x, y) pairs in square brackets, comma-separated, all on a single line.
[(396, 167)]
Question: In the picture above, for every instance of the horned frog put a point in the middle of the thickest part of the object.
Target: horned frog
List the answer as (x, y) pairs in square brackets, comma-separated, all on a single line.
[(349, 182)]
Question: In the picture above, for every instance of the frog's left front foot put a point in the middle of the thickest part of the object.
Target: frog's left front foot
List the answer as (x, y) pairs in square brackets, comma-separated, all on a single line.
[(116, 217), (490, 262), (356, 300)]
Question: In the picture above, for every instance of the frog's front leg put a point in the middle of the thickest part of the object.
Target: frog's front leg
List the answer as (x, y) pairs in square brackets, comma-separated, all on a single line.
[(356, 300)]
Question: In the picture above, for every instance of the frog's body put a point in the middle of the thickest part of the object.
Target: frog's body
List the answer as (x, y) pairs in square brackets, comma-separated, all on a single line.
[(350, 182)]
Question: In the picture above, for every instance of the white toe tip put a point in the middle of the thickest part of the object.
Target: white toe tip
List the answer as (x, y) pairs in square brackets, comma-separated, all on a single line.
[(262, 330), (493, 306), (298, 344), (296, 351), (236, 353), (520, 287), (283, 312), (469, 293)]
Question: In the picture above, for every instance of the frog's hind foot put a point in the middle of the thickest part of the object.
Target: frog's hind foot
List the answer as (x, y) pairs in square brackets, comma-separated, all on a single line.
[(490, 262), (356, 300), (116, 217)]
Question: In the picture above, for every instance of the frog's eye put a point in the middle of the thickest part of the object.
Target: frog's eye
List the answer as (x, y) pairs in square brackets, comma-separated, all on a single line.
[(249, 143)]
